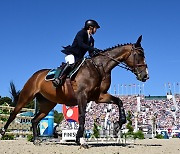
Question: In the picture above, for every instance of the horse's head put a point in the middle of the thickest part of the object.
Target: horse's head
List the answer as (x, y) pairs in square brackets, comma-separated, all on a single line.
[(136, 61), (130, 55)]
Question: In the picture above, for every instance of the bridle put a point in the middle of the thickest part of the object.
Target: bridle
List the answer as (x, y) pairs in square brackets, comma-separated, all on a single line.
[(123, 65)]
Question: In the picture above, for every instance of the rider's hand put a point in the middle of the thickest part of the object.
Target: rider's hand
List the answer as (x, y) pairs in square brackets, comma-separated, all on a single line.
[(94, 53), (96, 50)]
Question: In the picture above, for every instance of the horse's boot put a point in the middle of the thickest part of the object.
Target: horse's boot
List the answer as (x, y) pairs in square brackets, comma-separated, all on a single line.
[(123, 115), (59, 80)]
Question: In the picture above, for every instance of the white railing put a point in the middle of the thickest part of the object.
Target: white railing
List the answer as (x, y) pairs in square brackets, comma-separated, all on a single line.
[(21, 126)]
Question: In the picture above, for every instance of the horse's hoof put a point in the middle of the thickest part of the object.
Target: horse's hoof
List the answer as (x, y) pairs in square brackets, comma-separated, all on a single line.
[(2, 132), (85, 146), (78, 141), (123, 121), (37, 142)]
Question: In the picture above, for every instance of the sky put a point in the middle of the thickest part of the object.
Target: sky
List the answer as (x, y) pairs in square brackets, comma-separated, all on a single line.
[(32, 33)]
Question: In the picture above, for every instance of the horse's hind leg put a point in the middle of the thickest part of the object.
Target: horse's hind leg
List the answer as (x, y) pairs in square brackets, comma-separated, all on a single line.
[(24, 98), (45, 106)]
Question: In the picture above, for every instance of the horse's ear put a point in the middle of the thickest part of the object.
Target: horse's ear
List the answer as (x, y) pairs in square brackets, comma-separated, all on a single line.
[(138, 42)]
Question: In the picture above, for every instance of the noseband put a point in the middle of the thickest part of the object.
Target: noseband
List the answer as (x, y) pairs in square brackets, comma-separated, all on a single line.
[(134, 69)]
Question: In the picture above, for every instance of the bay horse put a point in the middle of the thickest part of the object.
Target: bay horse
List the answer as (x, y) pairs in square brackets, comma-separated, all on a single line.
[(91, 83)]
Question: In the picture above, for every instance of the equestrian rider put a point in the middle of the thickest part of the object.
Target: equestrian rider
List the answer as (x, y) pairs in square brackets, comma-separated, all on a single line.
[(82, 43)]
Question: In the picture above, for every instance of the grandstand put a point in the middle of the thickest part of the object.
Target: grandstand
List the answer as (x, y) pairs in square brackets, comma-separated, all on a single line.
[(161, 111)]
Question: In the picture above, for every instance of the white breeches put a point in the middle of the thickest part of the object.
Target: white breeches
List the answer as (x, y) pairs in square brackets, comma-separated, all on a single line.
[(70, 59)]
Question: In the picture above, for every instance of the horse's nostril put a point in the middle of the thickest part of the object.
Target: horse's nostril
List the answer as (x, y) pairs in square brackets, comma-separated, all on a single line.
[(146, 76)]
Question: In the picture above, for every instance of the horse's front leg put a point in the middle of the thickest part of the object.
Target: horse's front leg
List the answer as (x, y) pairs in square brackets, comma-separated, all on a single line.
[(107, 98), (82, 103)]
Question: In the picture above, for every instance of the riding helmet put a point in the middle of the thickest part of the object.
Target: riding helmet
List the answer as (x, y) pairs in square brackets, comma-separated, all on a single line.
[(92, 23)]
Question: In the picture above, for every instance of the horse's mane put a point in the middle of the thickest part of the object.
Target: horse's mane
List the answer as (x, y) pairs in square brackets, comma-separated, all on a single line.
[(119, 45)]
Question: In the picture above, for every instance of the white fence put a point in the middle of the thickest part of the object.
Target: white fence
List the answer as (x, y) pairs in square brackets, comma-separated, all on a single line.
[(21, 126)]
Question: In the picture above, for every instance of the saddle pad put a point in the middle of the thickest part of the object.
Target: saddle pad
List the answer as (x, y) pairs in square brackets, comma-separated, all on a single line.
[(50, 75)]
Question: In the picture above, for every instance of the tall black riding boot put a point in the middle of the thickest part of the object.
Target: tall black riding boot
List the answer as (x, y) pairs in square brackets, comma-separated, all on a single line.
[(59, 79)]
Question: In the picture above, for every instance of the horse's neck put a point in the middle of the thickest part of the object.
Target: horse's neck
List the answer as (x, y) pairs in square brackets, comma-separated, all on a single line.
[(111, 58)]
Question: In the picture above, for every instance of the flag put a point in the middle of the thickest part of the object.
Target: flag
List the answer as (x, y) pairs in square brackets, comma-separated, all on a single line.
[(71, 113)]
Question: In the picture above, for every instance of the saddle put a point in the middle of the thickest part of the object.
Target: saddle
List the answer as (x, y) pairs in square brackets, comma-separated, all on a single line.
[(67, 78), (75, 67)]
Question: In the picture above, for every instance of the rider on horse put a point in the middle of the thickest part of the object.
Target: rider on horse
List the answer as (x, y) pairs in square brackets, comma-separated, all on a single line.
[(82, 43)]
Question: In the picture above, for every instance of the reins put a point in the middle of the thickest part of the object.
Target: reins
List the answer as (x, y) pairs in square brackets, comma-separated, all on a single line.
[(123, 65), (119, 63)]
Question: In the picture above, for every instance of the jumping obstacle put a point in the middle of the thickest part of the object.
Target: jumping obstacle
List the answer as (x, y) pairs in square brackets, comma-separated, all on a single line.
[(21, 126)]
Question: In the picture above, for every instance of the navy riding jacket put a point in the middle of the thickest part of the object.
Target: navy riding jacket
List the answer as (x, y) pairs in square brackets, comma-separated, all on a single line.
[(80, 45)]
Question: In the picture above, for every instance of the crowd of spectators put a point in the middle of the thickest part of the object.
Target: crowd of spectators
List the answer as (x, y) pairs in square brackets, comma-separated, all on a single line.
[(164, 111)]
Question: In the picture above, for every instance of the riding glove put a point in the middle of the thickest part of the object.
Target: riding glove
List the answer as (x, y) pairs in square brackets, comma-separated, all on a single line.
[(94, 53)]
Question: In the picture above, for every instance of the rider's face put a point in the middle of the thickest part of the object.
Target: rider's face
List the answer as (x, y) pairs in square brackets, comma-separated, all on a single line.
[(92, 30)]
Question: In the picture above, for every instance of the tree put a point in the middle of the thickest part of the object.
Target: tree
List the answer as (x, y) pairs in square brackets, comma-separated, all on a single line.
[(30, 105), (139, 134), (5, 99), (129, 124), (58, 117), (95, 131)]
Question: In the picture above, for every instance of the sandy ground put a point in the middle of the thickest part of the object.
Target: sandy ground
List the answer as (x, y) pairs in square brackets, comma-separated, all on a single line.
[(147, 146)]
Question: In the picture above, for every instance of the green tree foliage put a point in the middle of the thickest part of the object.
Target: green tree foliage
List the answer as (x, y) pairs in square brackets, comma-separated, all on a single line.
[(5, 99), (30, 105), (129, 124), (159, 136), (8, 100), (139, 134), (30, 138), (95, 131), (8, 137), (58, 117)]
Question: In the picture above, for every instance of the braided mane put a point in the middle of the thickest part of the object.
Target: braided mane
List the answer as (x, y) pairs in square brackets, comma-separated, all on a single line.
[(119, 45)]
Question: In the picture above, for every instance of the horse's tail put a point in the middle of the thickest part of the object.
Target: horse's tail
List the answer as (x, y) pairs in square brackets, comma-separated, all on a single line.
[(15, 94)]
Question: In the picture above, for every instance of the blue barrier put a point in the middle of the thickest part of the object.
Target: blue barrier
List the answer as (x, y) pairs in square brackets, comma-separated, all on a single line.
[(165, 134), (47, 125), (178, 135)]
